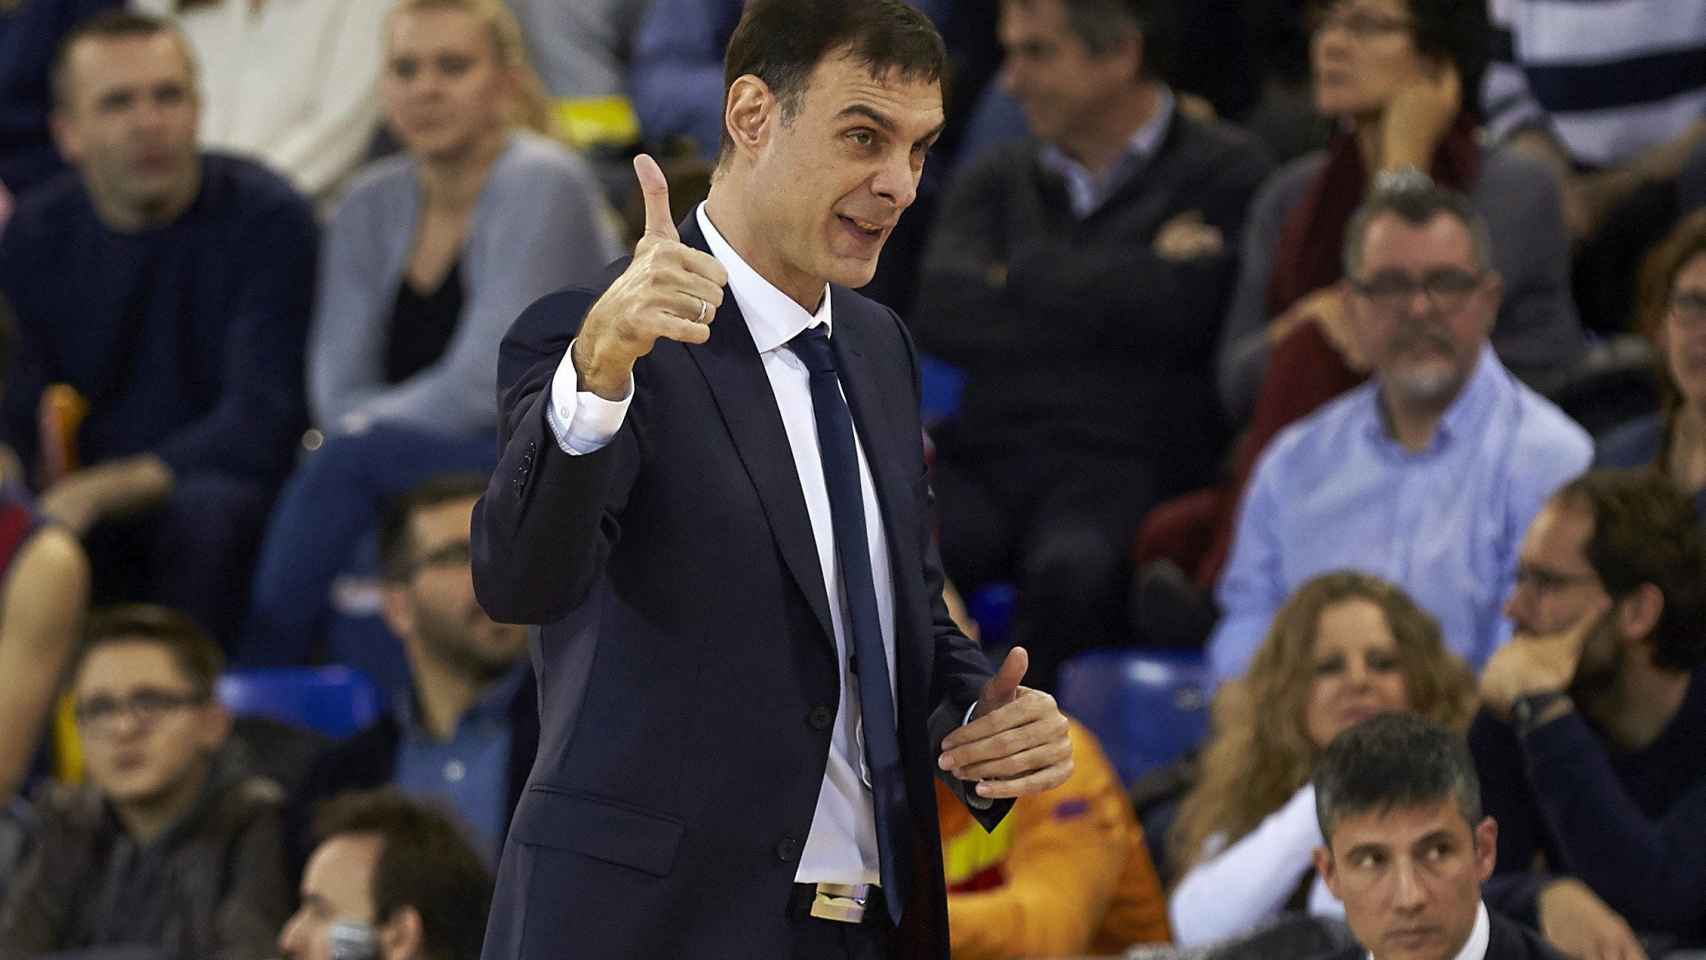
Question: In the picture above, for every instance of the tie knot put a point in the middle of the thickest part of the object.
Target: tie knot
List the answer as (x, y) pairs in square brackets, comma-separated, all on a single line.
[(811, 345)]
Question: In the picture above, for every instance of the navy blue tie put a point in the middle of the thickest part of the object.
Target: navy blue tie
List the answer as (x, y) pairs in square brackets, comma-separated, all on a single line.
[(871, 673)]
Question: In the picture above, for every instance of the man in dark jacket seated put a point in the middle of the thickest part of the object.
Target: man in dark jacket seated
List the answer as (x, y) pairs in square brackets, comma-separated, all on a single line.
[(465, 731), (162, 299), (1408, 847)]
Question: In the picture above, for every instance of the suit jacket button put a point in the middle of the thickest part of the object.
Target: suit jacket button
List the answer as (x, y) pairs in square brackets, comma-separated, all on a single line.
[(787, 849), (821, 717)]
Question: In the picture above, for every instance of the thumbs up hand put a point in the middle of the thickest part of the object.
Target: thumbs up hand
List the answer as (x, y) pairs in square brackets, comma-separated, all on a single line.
[(1016, 742), (669, 291)]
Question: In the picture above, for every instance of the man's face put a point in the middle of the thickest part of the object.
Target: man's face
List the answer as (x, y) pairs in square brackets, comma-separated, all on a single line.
[(435, 608), (1421, 306), (129, 122), (830, 185), (1556, 587), (1410, 878), (1059, 83), (145, 730), (337, 887)]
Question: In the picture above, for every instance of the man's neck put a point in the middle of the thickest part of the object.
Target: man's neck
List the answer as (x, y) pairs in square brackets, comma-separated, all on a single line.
[(1687, 454), (120, 217), (1098, 146), (1640, 704), (452, 185), (726, 211), (146, 820), (1412, 423), (443, 695)]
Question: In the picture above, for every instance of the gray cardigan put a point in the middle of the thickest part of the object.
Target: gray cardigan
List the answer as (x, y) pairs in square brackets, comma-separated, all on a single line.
[(1537, 330), (540, 224)]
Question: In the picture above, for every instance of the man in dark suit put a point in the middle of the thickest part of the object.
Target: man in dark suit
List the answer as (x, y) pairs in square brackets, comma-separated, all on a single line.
[(1407, 847), (717, 511)]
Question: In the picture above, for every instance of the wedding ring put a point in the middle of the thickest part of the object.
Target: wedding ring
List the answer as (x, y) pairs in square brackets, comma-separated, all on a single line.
[(703, 307)]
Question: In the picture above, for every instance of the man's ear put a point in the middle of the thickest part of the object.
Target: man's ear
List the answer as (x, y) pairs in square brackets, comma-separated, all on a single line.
[(65, 138), (749, 113), (402, 936), (1486, 848), (1639, 611), (1324, 868), (215, 726)]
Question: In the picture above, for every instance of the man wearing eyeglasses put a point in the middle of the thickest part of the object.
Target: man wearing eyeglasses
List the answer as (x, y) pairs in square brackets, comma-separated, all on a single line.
[(1589, 743), (464, 733), (1427, 474), (172, 850)]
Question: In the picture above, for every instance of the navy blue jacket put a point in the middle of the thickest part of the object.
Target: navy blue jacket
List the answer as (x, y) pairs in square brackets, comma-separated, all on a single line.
[(688, 673)]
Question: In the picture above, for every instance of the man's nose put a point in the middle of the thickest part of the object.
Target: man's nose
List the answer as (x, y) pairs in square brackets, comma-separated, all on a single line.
[(897, 182), (1408, 894)]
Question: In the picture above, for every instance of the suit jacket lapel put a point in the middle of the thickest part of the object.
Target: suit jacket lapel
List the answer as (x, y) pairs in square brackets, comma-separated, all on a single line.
[(730, 364)]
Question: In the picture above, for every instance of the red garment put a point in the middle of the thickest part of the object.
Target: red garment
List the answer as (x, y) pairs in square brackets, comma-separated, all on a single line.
[(1304, 370)]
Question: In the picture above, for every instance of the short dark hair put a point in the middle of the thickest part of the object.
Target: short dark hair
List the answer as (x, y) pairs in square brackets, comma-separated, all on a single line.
[(1645, 531), (1455, 32), (1416, 205), (396, 536), (425, 862), (115, 24), (782, 41), (1100, 24), (1394, 761), (189, 645)]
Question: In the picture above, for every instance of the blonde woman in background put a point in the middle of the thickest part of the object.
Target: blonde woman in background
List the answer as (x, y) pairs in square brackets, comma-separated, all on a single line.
[(425, 265), (1345, 647)]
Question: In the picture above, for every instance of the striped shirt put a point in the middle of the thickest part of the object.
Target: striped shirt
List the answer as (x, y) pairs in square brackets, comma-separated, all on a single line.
[(1608, 78)]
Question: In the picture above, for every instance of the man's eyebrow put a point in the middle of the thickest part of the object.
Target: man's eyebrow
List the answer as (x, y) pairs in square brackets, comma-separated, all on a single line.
[(869, 113)]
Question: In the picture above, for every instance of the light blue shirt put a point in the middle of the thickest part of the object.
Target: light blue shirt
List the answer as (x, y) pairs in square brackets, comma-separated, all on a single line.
[(469, 773), (1087, 190), (1336, 491)]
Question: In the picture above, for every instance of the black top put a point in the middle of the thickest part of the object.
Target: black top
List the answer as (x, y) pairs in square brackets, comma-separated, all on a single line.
[(422, 325), (1629, 823), (1505, 941)]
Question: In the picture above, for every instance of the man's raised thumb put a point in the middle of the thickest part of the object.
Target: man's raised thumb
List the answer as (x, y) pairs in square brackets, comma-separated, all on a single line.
[(655, 189)]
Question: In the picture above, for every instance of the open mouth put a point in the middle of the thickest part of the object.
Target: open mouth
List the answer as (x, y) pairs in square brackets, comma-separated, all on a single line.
[(864, 229)]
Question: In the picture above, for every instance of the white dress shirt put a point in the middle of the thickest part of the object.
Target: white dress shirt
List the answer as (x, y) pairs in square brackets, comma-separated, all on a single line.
[(842, 844)]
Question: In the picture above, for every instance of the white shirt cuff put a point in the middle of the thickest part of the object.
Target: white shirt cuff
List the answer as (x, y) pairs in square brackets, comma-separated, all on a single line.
[(582, 421), (972, 799)]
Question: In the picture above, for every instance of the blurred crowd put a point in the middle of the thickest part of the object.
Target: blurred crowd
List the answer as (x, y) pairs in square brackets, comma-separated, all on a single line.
[(1355, 347)]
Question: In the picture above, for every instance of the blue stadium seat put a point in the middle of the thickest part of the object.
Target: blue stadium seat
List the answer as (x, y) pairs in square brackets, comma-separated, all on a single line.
[(941, 385), (992, 607), (1148, 707), (335, 701)]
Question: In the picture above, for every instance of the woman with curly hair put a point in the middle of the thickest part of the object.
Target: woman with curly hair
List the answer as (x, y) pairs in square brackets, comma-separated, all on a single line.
[(1345, 647), (1672, 311)]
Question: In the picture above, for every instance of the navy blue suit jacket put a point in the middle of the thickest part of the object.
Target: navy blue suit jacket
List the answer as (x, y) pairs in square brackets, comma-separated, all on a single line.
[(688, 675)]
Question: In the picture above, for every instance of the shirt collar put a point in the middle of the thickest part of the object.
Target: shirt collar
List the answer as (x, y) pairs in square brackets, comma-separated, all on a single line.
[(1475, 948), (1465, 412), (772, 317), (1087, 189)]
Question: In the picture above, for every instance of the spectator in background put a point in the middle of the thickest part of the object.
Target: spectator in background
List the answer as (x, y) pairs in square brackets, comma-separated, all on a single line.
[(465, 732), (1344, 647), (1589, 743), (1066, 873), (1078, 279), (288, 83), (44, 593), (172, 848), (1428, 474), (390, 880), (580, 47), (1393, 73), (429, 259), (1406, 847), (29, 36), (1610, 97), (164, 293), (1674, 313)]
